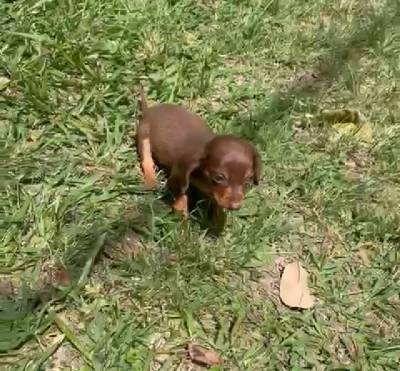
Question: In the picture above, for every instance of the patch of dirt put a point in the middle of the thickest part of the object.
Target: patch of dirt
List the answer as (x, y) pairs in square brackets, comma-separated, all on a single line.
[(8, 288), (306, 82), (52, 275), (330, 243), (366, 253), (264, 284), (187, 365), (128, 247), (90, 169), (66, 357), (356, 165), (386, 325)]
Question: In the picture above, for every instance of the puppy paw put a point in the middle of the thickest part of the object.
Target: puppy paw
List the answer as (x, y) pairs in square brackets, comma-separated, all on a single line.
[(150, 182), (149, 175), (181, 206)]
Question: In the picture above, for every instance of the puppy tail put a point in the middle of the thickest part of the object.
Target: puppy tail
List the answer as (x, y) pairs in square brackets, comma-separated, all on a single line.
[(142, 100)]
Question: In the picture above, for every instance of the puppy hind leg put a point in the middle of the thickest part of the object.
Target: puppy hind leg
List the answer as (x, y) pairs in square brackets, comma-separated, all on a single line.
[(146, 159), (148, 166)]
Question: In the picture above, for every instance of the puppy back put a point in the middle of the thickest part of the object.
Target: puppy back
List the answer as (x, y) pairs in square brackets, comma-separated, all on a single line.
[(176, 133)]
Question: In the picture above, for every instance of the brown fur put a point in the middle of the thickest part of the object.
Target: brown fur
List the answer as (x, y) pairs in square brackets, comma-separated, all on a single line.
[(180, 142)]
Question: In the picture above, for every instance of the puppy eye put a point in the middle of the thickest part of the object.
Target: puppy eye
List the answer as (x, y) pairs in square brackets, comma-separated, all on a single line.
[(218, 178)]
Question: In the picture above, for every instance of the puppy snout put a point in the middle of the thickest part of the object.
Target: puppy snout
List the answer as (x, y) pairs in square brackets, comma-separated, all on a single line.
[(229, 204), (234, 205), (230, 198)]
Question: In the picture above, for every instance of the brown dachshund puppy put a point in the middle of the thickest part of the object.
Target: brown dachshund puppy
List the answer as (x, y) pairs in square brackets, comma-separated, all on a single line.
[(179, 142)]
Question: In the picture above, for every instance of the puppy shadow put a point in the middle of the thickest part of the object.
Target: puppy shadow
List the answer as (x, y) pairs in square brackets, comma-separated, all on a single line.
[(208, 214), (203, 211), (134, 220), (122, 234)]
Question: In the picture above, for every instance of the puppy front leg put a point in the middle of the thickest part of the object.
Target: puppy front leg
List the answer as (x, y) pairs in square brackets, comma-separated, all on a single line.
[(181, 206), (178, 183), (217, 217)]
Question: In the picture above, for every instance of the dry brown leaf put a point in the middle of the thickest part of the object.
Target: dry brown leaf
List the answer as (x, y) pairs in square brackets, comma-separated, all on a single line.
[(307, 81), (61, 277), (203, 356), (54, 274), (294, 291)]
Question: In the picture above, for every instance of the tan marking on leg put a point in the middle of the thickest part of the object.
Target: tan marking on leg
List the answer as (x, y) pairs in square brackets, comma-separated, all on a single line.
[(149, 173), (181, 205)]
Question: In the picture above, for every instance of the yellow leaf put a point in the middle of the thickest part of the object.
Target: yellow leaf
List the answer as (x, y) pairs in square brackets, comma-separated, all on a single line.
[(362, 132), (346, 128), (343, 115), (293, 290)]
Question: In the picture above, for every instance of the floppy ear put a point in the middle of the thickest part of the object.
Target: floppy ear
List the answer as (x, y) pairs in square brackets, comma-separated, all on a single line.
[(257, 166)]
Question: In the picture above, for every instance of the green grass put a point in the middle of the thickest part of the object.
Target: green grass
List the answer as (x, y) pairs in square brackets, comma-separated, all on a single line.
[(71, 187)]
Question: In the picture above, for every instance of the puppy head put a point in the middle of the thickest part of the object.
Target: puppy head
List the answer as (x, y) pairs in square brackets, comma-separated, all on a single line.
[(230, 165)]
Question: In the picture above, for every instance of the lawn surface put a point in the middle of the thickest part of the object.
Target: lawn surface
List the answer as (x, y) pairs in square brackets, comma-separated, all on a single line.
[(74, 211)]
